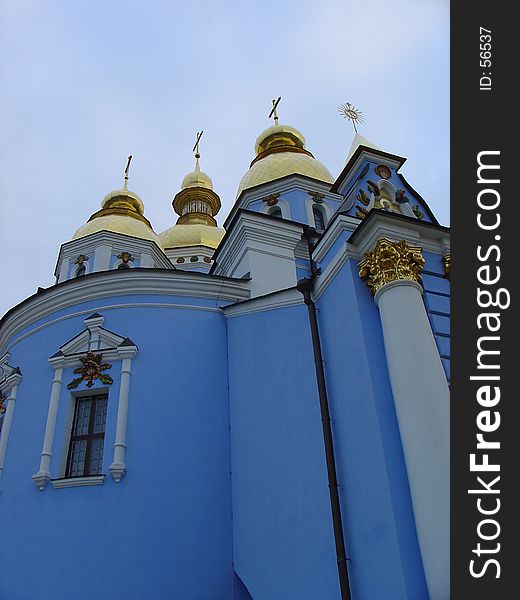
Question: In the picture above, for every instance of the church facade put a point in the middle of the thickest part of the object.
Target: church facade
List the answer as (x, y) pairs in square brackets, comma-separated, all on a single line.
[(254, 412)]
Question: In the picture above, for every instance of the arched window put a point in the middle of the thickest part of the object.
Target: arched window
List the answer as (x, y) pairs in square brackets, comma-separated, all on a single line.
[(80, 271), (319, 217), (276, 212)]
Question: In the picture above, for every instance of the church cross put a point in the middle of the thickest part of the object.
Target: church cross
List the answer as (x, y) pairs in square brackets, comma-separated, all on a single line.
[(127, 168), (196, 147), (273, 112)]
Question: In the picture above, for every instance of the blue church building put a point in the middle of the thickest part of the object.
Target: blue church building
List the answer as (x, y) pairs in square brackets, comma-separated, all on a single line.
[(253, 412)]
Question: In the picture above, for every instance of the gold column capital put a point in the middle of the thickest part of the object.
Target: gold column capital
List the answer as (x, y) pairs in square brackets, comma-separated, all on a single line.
[(446, 261), (391, 261)]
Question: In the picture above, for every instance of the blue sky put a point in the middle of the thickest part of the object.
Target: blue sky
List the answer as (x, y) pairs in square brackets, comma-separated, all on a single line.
[(85, 83)]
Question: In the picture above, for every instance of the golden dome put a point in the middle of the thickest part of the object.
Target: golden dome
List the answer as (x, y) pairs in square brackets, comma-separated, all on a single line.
[(180, 236), (123, 197), (280, 151), (122, 211), (279, 135), (197, 179), (281, 164), (196, 204), (118, 224)]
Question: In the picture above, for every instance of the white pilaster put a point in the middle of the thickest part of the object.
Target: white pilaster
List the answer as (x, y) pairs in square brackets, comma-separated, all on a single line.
[(102, 257), (421, 397), (43, 476), (13, 381), (118, 467), (64, 270)]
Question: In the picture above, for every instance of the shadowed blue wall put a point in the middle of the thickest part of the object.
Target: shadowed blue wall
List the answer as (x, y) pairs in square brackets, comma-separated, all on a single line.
[(378, 519)]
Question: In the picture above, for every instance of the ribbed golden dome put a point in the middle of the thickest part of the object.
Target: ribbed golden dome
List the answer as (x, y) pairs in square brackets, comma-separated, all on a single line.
[(122, 211), (196, 204), (180, 236), (123, 196), (118, 224), (281, 151)]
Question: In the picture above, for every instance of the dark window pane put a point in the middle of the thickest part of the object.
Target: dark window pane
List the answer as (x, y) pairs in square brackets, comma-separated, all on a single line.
[(87, 438), (319, 221), (276, 212), (82, 417), (77, 460), (96, 456), (101, 415)]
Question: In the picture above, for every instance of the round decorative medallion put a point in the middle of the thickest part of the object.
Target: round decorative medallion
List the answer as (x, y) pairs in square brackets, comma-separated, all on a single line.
[(207, 259), (194, 259), (180, 260), (383, 171)]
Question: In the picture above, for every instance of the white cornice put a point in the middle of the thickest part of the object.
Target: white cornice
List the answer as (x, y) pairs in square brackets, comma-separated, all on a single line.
[(339, 224), (281, 299), (128, 243), (252, 228), (128, 282), (371, 155)]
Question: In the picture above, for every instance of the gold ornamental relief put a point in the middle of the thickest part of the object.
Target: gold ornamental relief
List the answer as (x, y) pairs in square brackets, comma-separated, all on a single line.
[(391, 261)]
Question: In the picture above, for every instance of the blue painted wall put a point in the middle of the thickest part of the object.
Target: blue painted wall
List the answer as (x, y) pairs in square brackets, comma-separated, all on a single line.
[(165, 530), (282, 526)]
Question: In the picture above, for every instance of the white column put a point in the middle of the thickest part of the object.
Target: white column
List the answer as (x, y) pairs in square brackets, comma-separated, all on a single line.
[(118, 467), (422, 404), (8, 418), (43, 476)]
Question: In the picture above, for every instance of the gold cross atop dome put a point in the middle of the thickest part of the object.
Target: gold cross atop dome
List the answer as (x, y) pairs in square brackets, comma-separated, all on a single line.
[(127, 169), (273, 112), (196, 147)]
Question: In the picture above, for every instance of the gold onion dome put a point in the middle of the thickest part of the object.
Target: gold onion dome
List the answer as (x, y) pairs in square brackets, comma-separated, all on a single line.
[(122, 211), (280, 151), (196, 204)]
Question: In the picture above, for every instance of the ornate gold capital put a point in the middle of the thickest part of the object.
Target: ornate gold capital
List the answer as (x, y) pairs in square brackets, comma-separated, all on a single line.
[(391, 261), (446, 261)]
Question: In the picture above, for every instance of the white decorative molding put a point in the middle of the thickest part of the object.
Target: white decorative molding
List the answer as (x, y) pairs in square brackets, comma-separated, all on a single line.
[(118, 467), (204, 253), (282, 204), (113, 347), (43, 476), (328, 211), (68, 482), (124, 282), (10, 378)]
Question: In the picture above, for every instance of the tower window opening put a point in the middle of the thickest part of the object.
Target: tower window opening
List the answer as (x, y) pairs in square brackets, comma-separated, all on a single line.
[(87, 439), (319, 219), (276, 212), (124, 265)]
